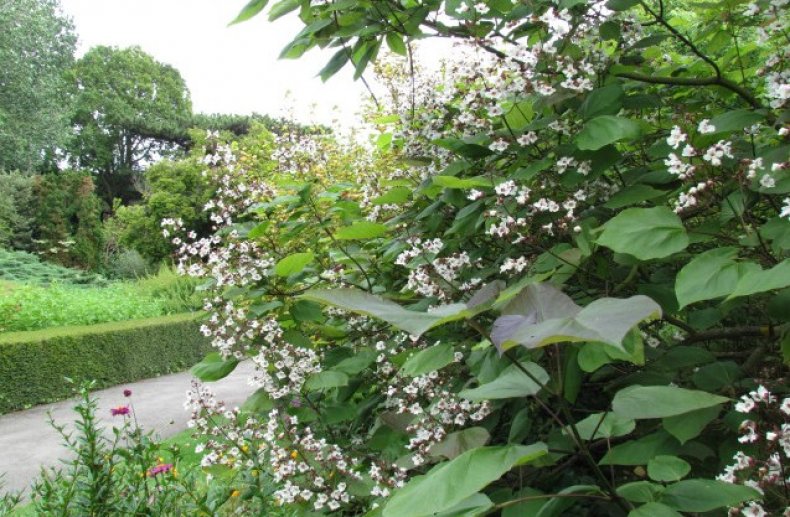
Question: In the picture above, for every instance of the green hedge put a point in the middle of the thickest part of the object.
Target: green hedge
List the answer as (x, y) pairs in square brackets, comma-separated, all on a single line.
[(33, 365)]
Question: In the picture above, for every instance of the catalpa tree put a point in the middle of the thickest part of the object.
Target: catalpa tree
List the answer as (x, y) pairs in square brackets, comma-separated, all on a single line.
[(559, 285)]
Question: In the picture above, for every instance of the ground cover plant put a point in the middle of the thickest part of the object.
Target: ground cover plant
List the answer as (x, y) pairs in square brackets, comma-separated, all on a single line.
[(38, 295), (560, 288), (27, 268)]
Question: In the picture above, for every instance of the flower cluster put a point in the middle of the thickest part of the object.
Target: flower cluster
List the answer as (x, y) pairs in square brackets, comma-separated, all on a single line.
[(766, 434)]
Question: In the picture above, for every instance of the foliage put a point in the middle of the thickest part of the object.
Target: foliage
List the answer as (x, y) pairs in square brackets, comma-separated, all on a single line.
[(25, 268), (130, 473), (68, 219), (16, 211), (174, 189), (34, 364), (129, 111), (127, 264), (37, 44), (531, 210)]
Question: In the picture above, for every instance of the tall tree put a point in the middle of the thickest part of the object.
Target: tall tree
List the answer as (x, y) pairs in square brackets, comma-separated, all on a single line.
[(130, 111), (37, 45)]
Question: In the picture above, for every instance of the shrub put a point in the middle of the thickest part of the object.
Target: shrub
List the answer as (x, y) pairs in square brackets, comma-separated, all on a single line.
[(22, 267), (68, 219), (175, 292), (33, 365), (16, 211), (127, 264), (551, 304)]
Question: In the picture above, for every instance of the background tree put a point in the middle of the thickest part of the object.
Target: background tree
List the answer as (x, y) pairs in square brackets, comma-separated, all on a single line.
[(130, 111), (36, 48)]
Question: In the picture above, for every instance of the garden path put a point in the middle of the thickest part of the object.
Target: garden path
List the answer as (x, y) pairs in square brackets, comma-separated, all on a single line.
[(28, 442)]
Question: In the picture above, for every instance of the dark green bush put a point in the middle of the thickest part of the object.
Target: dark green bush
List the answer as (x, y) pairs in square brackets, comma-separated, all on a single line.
[(33, 365)]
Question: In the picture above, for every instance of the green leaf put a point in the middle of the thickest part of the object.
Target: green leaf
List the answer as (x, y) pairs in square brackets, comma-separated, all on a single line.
[(305, 310), (449, 483), (710, 275), (689, 425), (428, 360), (645, 233), (759, 281), (602, 101), (250, 10), (705, 495), (511, 383), (654, 510), (461, 183), (395, 196), (457, 443), (335, 63), (325, 380), (282, 8), (621, 5), (639, 452), (413, 322), (641, 402), (667, 468), (473, 506), (736, 120), (632, 195), (612, 425), (293, 264), (606, 129), (607, 320), (361, 230), (396, 44), (258, 403), (640, 491), (213, 367)]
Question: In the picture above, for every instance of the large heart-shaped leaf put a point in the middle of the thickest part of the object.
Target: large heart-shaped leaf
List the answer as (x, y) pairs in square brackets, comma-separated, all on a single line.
[(361, 230), (606, 320), (428, 360), (449, 483), (413, 322), (705, 495), (710, 275), (606, 129), (457, 443), (756, 280), (213, 367), (641, 402), (511, 383), (293, 264), (645, 233)]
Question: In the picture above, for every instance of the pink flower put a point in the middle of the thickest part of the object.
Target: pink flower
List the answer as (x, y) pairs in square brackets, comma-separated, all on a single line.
[(120, 410), (160, 469)]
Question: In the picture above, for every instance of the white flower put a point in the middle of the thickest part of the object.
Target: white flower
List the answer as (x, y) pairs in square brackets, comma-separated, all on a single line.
[(767, 181), (498, 145), (706, 127), (676, 136), (527, 138), (474, 195)]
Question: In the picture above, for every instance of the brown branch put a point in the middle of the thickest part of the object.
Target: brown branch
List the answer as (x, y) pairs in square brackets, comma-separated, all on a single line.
[(695, 81)]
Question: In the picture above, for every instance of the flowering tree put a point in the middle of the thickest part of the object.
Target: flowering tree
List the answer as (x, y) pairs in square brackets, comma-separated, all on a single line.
[(544, 291)]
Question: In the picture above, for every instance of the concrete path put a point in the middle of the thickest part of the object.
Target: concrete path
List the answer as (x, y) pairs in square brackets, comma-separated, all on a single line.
[(28, 442)]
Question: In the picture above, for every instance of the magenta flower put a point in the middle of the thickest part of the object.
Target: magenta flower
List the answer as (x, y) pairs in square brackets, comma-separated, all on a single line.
[(160, 469), (127, 393), (120, 410)]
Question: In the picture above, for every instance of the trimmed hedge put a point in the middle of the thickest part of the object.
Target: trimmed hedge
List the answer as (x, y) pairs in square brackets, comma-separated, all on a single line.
[(33, 364)]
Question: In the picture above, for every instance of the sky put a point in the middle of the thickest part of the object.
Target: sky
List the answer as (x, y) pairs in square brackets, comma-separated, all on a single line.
[(227, 69)]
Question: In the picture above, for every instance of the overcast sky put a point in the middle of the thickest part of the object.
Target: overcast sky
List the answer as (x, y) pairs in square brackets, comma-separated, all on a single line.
[(227, 69)]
